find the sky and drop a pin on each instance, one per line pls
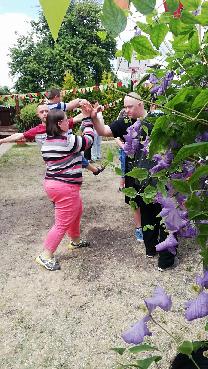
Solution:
(15, 16)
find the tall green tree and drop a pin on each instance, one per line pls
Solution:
(38, 62)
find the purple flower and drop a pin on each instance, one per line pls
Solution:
(174, 218)
(132, 137)
(145, 145)
(203, 281)
(188, 232)
(163, 161)
(197, 308)
(169, 244)
(154, 90)
(196, 12)
(153, 79)
(202, 137)
(137, 332)
(159, 298)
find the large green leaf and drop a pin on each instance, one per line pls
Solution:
(142, 348)
(199, 172)
(54, 14)
(189, 18)
(198, 149)
(149, 194)
(158, 33)
(138, 173)
(179, 97)
(186, 348)
(193, 43)
(144, 27)
(127, 50)
(203, 17)
(113, 18)
(181, 186)
(191, 4)
(172, 5)
(144, 7)
(201, 99)
(130, 192)
(143, 47)
(145, 363)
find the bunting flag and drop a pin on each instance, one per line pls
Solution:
(83, 90)
(54, 14)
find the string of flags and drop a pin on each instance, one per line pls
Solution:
(83, 90)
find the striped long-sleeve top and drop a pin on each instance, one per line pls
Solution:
(62, 155)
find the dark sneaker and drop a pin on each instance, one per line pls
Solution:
(175, 264)
(73, 245)
(99, 170)
(49, 264)
(138, 234)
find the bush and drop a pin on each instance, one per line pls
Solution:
(28, 118)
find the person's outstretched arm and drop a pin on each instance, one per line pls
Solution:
(101, 128)
(13, 138)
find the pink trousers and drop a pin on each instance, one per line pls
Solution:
(68, 212)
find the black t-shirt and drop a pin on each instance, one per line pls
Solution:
(119, 127)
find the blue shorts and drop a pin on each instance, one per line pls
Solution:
(85, 162)
(122, 158)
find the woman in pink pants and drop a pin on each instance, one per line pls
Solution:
(63, 179)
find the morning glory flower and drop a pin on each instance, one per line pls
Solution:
(163, 161)
(159, 298)
(169, 244)
(153, 79)
(132, 142)
(189, 231)
(197, 308)
(137, 332)
(203, 281)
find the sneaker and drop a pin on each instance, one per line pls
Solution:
(175, 264)
(138, 234)
(49, 264)
(99, 170)
(73, 245)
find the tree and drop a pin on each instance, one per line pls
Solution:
(4, 90)
(38, 62)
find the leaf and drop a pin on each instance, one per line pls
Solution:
(172, 5)
(113, 18)
(102, 35)
(149, 194)
(130, 192)
(143, 47)
(118, 171)
(188, 18)
(158, 33)
(186, 348)
(143, 347)
(119, 350)
(144, 27)
(138, 173)
(199, 149)
(199, 172)
(148, 226)
(193, 44)
(181, 186)
(54, 14)
(206, 327)
(203, 17)
(145, 363)
(203, 229)
(201, 99)
(109, 155)
(127, 51)
(133, 205)
(144, 7)
(179, 97)
(191, 4)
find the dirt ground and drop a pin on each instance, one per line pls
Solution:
(70, 319)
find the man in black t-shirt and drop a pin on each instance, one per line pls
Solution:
(135, 109)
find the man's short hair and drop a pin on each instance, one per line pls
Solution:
(53, 93)
(134, 95)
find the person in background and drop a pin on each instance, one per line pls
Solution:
(54, 102)
(37, 133)
(122, 157)
(96, 147)
(63, 179)
(134, 107)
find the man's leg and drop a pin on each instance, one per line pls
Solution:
(148, 217)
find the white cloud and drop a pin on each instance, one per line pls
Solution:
(9, 24)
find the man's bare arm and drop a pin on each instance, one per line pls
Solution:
(13, 138)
